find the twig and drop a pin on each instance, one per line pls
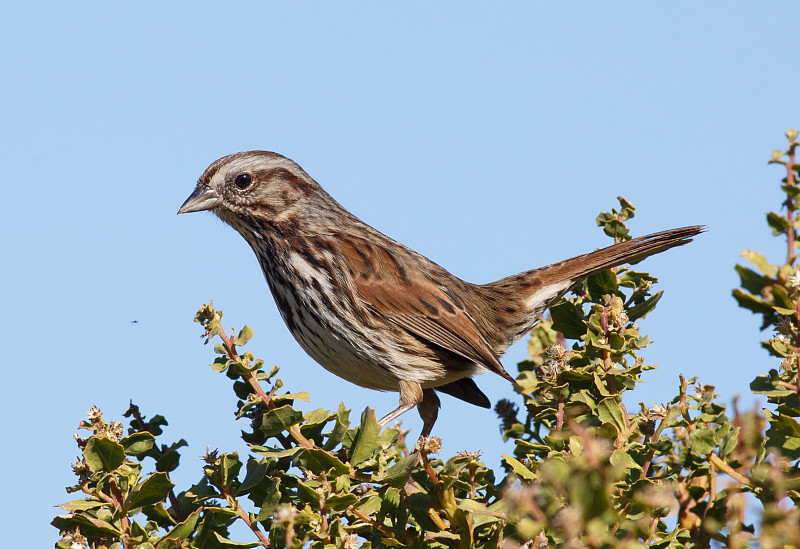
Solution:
(430, 471)
(560, 414)
(99, 495)
(402, 440)
(372, 522)
(472, 470)
(712, 489)
(728, 470)
(796, 388)
(608, 365)
(790, 235)
(648, 460)
(437, 519)
(252, 379)
(789, 385)
(653, 527)
(588, 449)
(685, 405)
(125, 523)
(245, 516)
(534, 508)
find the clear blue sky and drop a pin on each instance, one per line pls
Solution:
(485, 136)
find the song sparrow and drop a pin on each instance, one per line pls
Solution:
(372, 311)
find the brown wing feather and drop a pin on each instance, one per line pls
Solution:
(416, 302)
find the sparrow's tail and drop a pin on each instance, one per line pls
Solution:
(513, 305)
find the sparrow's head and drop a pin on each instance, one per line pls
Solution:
(253, 185)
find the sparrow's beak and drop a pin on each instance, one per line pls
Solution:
(201, 199)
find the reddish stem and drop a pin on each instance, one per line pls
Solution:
(125, 525)
(560, 414)
(648, 460)
(245, 516)
(251, 378)
(372, 522)
(430, 471)
(790, 235)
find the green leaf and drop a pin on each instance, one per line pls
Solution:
(518, 468)
(317, 461)
(277, 420)
(304, 396)
(256, 471)
(609, 411)
(601, 386)
(443, 534)
(370, 505)
(455, 464)
(398, 473)
(523, 447)
(150, 491)
(136, 530)
(90, 526)
(752, 303)
(159, 514)
(138, 443)
(389, 437)
(620, 458)
(271, 498)
(200, 492)
(600, 284)
(339, 430)
(781, 297)
(275, 453)
(225, 542)
(483, 515)
(780, 346)
(168, 462)
(635, 279)
(784, 434)
(82, 505)
(244, 336)
(763, 385)
(184, 529)
(390, 502)
(627, 208)
(367, 438)
(568, 319)
(615, 229)
(701, 441)
(103, 454)
(751, 280)
(231, 464)
(792, 191)
(729, 443)
(220, 364)
(642, 309)
(777, 223)
(308, 493)
(341, 502)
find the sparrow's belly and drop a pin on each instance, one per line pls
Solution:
(375, 357)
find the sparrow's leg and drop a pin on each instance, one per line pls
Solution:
(428, 410)
(411, 394)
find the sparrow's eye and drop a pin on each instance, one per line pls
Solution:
(243, 180)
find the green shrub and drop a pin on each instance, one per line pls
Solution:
(585, 471)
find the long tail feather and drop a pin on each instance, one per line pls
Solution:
(513, 304)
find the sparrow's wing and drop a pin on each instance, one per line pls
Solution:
(400, 288)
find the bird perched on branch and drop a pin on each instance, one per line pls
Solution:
(373, 311)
